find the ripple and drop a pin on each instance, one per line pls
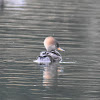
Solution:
(67, 62)
(23, 26)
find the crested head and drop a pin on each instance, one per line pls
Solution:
(50, 43)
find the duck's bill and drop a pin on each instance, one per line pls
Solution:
(60, 49)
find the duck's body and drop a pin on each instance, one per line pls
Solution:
(51, 55)
(46, 56)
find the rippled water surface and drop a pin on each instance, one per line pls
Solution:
(23, 26)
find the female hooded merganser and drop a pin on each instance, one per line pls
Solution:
(51, 55)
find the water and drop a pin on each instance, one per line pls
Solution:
(23, 26)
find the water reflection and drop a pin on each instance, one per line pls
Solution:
(50, 73)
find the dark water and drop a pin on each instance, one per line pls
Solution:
(23, 26)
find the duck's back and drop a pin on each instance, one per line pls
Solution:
(49, 57)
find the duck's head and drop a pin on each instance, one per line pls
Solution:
(51, 43)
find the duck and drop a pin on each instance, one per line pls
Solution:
(51, 54)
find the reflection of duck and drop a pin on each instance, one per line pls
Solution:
(50, 74)
(51, 55)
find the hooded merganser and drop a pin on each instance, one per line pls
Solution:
(51, 55)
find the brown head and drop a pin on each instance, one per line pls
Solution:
(51, 43)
